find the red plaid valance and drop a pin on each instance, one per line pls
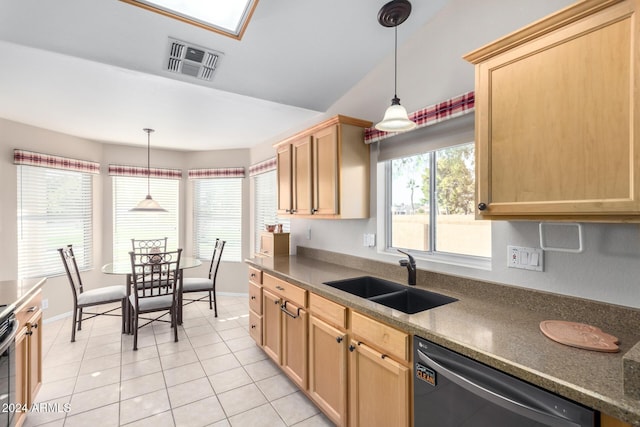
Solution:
(119, 170)
(454, 107)
(23, 157)
(262, 167)
(216, 173)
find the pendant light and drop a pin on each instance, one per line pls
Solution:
(148, 204)
(395, 118)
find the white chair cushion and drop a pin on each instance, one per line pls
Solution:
(100, 295)
(196, 284)
(160, 302)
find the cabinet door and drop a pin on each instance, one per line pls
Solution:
(255, 327)
(271, 325)
(555, 136)
(35, 355)
(378, 389)
(294, 344)
(285, 180)
(328, 369)
(22, 373)
(325, 183)
(303, 178)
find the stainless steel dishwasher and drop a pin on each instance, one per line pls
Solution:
(451, 390)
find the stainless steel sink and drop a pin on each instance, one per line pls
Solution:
(391, 294)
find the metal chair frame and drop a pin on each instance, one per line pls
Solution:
(77, 288)
(213, 275)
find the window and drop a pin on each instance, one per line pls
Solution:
(431, 205)
(54, 210)
(217, 213)
(127, 192)
(229, 17)
(265, 205)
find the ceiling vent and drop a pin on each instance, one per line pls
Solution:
(191, 60)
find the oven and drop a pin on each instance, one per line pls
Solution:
(451, 390)
(8, 331)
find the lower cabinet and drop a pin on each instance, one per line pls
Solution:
(271, 325)
(328, 369)
(294, 343)
(378, 388)
(28, 345)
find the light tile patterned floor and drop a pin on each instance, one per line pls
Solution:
(214, 376)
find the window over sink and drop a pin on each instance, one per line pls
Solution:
(429, 194)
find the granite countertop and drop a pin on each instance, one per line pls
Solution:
(494, 324)
(13, 293)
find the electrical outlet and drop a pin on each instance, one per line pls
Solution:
(45, 304)
(369, 240)
(524, 258)
(309, 233)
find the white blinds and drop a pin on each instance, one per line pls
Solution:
(54, 210)
(127, 192)
(217, 213)
(265, 204)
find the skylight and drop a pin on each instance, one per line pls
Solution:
(228, 17)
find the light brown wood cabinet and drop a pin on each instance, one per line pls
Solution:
(255, 305)
(284, 327)
(558, 119)
(28, 354)
(378, 388)
(608, 421)
(272, 244)
(328, 344)
(324, 171)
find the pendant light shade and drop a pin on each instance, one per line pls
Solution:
(395, 118)
(148, 204)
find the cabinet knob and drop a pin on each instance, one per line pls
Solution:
(28, 333)
(277, 302)
(314, 210)
(482, 206)
(34, 325)
(339, 339)
(253, 274)
(253, 326)
(253, 297)
(352, 347)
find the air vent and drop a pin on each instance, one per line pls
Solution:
(188, 59)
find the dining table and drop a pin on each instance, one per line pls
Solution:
(123, 268)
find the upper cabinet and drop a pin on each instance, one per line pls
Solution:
(324, 171)
(558, 117)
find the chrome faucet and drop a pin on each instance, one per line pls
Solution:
(411, 267)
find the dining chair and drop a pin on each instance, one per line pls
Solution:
(154, 279)
(145, 246)
(92, 297)
(205, 284)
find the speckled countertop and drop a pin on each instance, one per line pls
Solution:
(13, 293)
(494, 324)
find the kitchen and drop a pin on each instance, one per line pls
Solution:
(605, 271)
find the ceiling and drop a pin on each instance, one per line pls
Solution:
(96, 69)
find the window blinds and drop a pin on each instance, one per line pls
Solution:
(54, 210)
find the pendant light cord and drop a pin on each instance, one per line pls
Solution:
(395, 65)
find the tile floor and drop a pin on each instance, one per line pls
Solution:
(214, 376)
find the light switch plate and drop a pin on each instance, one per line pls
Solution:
(525, 258)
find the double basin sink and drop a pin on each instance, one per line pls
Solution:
(406, 299)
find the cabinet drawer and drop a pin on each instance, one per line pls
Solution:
(255, 327)
(328, 311)
(255, 276)
(29, 308)
(255, 298)
(286, 290)
(388, 340)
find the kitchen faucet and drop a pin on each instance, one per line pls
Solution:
(411, 267)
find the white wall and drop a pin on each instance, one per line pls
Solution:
(431, 69)
(232, 276)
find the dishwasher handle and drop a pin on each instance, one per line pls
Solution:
(10, 337)
(521, 408)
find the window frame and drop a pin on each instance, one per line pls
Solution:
(385, 177)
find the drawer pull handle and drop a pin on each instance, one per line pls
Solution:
(280, 288)
(32, 309)
(253, 274)
(283, 308)
(383, 356)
